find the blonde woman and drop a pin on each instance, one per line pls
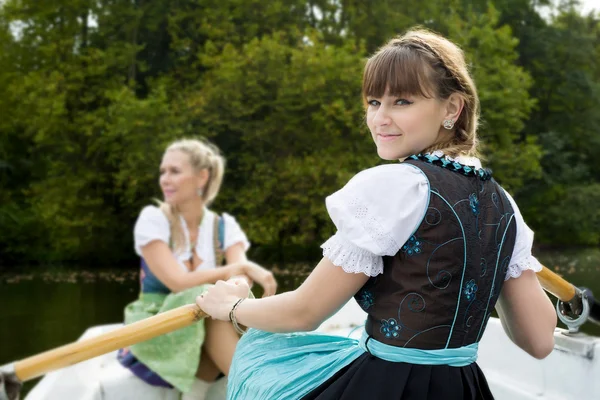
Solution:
(184, 246)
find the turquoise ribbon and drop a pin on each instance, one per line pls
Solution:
(457, 357)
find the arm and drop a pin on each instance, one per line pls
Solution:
(525, 311)
(163, 264)
(395, 190)
(303, 309)
(527, 315)
(235, 254)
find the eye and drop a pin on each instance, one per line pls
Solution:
(373, 103)
(403, 102)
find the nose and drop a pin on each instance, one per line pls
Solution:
(381, 117)
(163, 179)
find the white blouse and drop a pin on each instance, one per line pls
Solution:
(152, 224)
(380, 208)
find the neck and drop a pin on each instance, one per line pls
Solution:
(192, 212)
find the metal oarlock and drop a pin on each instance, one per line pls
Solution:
(575, 312)
(10, 385)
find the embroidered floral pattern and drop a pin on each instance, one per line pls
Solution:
(474, 204)
(412, 246)
(365, 299)
(470, 290)
(390, 328)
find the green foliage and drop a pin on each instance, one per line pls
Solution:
(577, 227)
(91, 92)
(503, 92)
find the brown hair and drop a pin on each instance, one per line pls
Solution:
(424, 63)
(202, 155)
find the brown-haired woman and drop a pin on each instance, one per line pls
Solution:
(428, 247)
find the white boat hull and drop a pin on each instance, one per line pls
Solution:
(570, 372)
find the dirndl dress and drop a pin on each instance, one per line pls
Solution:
(437, 239)
(169, 360)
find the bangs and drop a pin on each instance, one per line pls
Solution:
(398, 69)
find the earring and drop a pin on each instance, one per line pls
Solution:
(448, 124)
(200, 192)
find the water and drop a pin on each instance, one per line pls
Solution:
(41, 311)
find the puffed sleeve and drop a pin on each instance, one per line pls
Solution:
(521, 258)
(234, 233)
(375, 214)
(152, 224)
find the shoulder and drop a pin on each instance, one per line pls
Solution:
(152, 224)
(384, 174)
(233, 232)
(380, 207)
(224, 218)
(151, 211)
(152, 215)
(384, 184)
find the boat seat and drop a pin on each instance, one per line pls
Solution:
(118, 383)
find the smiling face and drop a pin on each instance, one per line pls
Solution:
(179, 181)
(404, 125)
(408, 94)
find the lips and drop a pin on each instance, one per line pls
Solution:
(387, 137)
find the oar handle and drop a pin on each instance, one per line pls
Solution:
(556, 285)
(137, 332)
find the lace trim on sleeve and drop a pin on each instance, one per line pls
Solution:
(515, 270)
(351, 258)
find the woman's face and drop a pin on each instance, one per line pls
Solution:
(404, 125)
(178, 180)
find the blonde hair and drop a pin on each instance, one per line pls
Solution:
(202, 155)
(424, 63)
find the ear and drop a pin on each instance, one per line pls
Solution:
(454, 106)
(202, 178)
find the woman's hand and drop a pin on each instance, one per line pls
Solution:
(243, 277)
(262, 276)
(220, 299)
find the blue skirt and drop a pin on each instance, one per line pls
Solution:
(269, 366)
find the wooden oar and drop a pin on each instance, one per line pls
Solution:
(127, 335)
(556, 285)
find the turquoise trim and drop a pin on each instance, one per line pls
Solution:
(457, 357)
(454, 166)
(462, 278)
(495, 275)
(221, 231)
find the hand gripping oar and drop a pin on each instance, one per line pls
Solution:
(12, 375)
(575, 305)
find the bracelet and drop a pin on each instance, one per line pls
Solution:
(232, 318)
